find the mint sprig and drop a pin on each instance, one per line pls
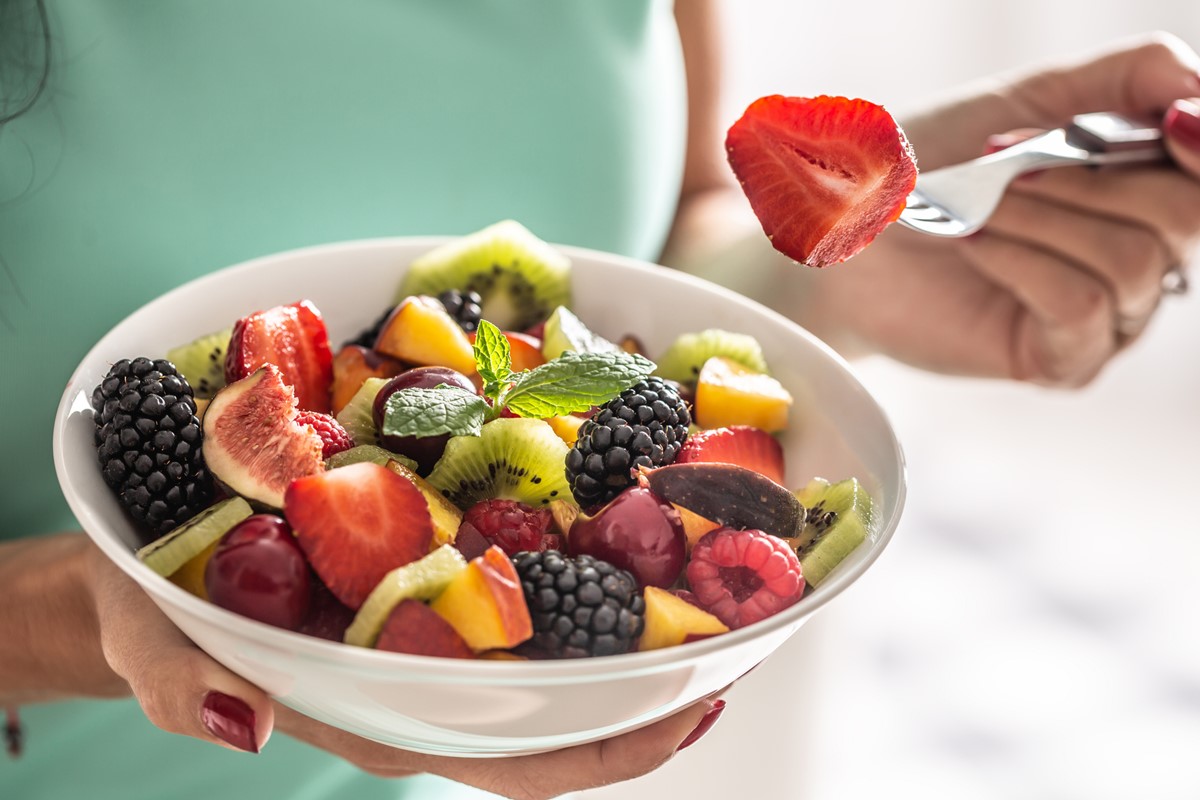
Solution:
(432, 412)
(574, 382)
(569, 384)
(493, 357)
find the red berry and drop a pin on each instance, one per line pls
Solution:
(824, 175)
(356, 524)
(334, 438)
(510, 525)
(425, 450)
(259, 571)
(744, 576)
(294, 339)
(743, 445)
(637, 531)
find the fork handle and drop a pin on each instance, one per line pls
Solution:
(1115, 139)
(1099, 138)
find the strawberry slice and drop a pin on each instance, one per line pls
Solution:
(824, 175)
(292, 338)
(356, 524)
(742, 445)
(417, 629)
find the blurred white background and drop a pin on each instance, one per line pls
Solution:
(1032, 631)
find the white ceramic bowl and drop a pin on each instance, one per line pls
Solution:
(484, 708)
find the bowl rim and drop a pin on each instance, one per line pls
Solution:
(470, 670)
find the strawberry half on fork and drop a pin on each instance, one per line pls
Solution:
(824, 175)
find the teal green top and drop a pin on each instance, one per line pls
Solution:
(179, 137)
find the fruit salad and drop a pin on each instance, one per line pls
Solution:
(477, 475)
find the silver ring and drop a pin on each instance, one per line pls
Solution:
(1129, 327)
(1175, 281)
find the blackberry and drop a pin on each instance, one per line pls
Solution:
(580, 606)
(465, 307)
(148, 441)
(642, 427)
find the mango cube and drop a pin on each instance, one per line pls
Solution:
(670, 620)
(728, 393)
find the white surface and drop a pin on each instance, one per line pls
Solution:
(1031, 632)
(484, 707)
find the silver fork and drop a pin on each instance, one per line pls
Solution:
(957, 200)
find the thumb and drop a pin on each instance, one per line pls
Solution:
(180, 688)
(1139, 77)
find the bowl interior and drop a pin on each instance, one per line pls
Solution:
(837, 429)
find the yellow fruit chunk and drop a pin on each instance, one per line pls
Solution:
(485, 603)
(567, 427)
(191, 575)
(694, 525)
(670, 620)
(728, 393)
(420, 332)
(445, 515)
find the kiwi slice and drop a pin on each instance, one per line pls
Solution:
(512, 458)
(368, 452)
(564, 331)
(202, 362)
(838, 520)
(686, 355)
(520, 278)
(175, 548)
(423, 579)
(357, 416)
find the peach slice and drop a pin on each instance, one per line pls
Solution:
(670, 620)
(694, 525)
(420, 332)
(446, 516)
(728, 393)
(352, 365)
(415, 628)
(486, 604)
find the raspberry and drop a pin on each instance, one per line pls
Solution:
(334, 438)
(510, 525)
(744, 576)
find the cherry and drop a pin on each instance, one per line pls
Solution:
(637, 531)
(259, 571)
(425, 450)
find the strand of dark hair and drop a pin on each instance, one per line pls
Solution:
(42, 74)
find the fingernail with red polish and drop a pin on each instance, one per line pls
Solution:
(706, 723)
(230, 720)
(1182, 123)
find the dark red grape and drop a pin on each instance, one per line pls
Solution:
(259, 571)
(637, 531)
(425, 450)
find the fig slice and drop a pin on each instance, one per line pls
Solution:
(252, 443)
(729, 495)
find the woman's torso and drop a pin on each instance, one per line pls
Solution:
(177, 138)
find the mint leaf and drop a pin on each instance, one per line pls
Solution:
(431, 412)
(493, 357)
(574, 382)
